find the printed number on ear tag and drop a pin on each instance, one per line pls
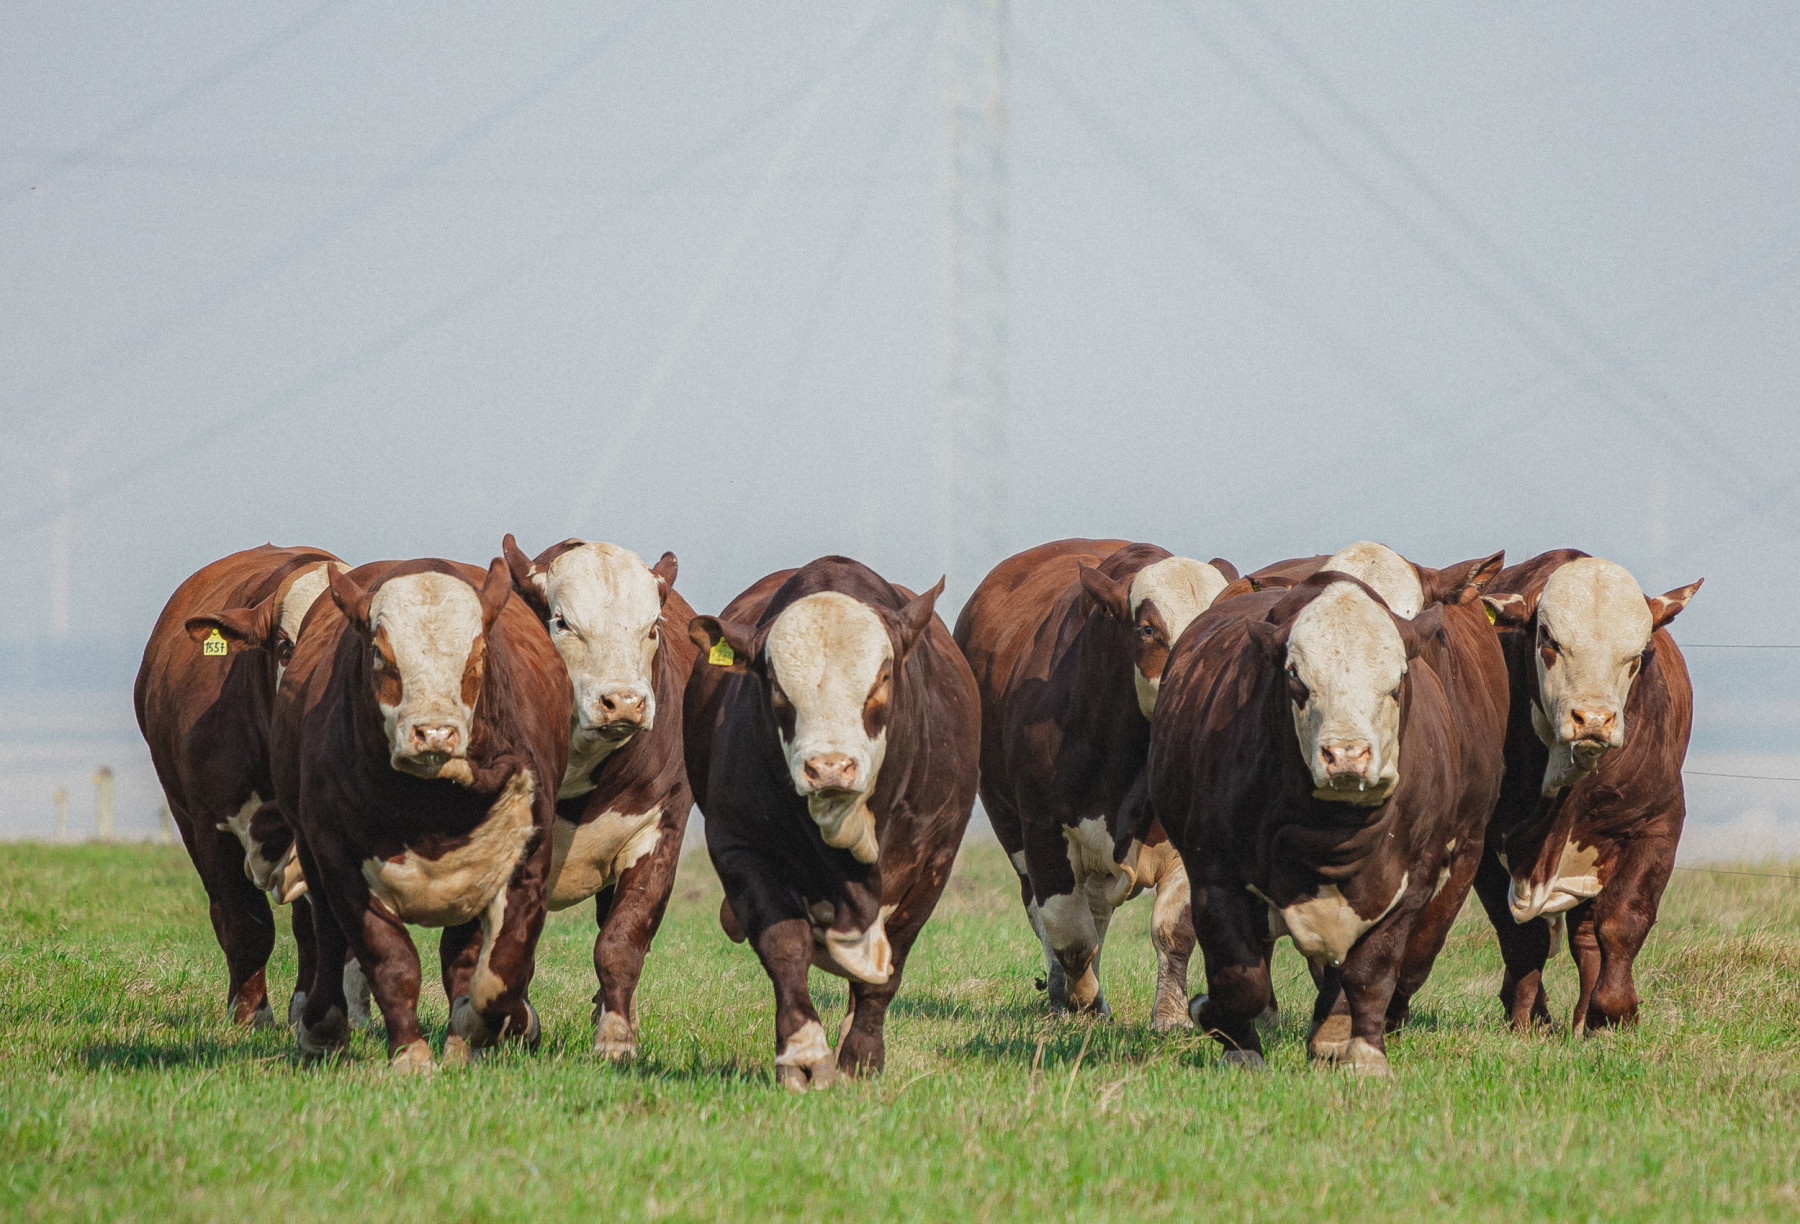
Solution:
(721, 654)
(214, 644)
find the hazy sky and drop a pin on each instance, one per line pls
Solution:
(394, 279)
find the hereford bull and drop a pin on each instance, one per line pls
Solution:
(622, 806)
(1592, 807)
(1067, 642)
(833, 736)
(415, 744)
(203, 706)
(1303, 759)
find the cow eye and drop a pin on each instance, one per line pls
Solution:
(1147, 632)
(1395, 694)
(556, 623)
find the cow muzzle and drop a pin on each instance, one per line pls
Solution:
(1348, 770)
(618, 715)
(423, 747)
(1591, 730)
(829, 772)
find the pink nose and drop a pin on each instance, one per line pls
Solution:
(1347, 759)
(622, 707)
(435, 737)
(1590, 724)
(831, 771)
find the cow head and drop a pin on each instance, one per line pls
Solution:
(1343, 657)
(1386, 572)
(831, 667)
(1158, 603)
(1592, 628)
(425, 643)
(602, 605)
(272, 625)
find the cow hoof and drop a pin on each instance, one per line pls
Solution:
(614, 1040)
(413, 1058)
(1194, 1006)
(859, 1054)
(1271, 1016)
(457, 1052)
(817, 1077)
(262, 1017)
(1330, 1040)
(356, 994)
(1243, 1060)
(296, 1004)
(1171, 1019)
(326, 1039)
(1365, 1059)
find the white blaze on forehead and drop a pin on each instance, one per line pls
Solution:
(826, 651)
(1344, 648)
(1181, 589)
(609, 601)
(431, 623)
(1388, 574)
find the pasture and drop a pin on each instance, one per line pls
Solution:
(124, 1094)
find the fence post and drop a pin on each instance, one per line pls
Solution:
(103, 803)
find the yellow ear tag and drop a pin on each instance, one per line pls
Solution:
(214, 644)
(1493, 617)
(721, 654)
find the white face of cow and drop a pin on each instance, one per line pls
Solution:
(1180, 589)
(1345, 659)
(428, 657)
(830, 667)
(301, 595)
(1388, 574)
(604, 603)
(1593, 624)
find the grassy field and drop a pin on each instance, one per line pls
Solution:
(124, 1093)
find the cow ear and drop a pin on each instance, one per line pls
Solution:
(915, 617)
(1509, 611)
(525, 577)
(1448, 584)
(350, 598)
(1236, 587)
(247, 628)
(1665, 608)
(495, 591)
(665, 569)
(1272, 638)
(1272, 582)
(1113, 596)
(1226, 568)
(723, 643)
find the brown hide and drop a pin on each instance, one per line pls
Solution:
(330, 760)
(206, 721)
(1229, 785)
(769, 853)
(1062, 735)
(1629, 811)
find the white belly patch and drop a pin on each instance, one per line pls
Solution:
(587, 858)
(863, 956)
(1326, 926)
(462, 883)
(1575, 879)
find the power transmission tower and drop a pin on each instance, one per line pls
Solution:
(973, 422)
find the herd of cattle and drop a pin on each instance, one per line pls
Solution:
(1334, 749)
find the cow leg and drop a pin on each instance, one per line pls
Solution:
(1584, 946)
(1328, 1039)
(306, 954)
(1054, 981)
(1227, 919)
(321, 1025)
(1367, 979)
(1524, 948)
(1621, 919)
(241, 919)
(1172, 935)
(1067, 920)
(495, 1005)
(803, 1058)
(1433, 929)
(628, 917)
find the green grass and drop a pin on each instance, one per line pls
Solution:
(125, 1094)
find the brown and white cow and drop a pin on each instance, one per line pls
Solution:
(1303, 759)
(416, 742)
(1591, 811)
(1067, 642)
(833, 736)
(622, 807)
(203, 706)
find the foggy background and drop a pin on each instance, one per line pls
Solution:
(396, 280)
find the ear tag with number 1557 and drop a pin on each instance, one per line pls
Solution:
(214, 644)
